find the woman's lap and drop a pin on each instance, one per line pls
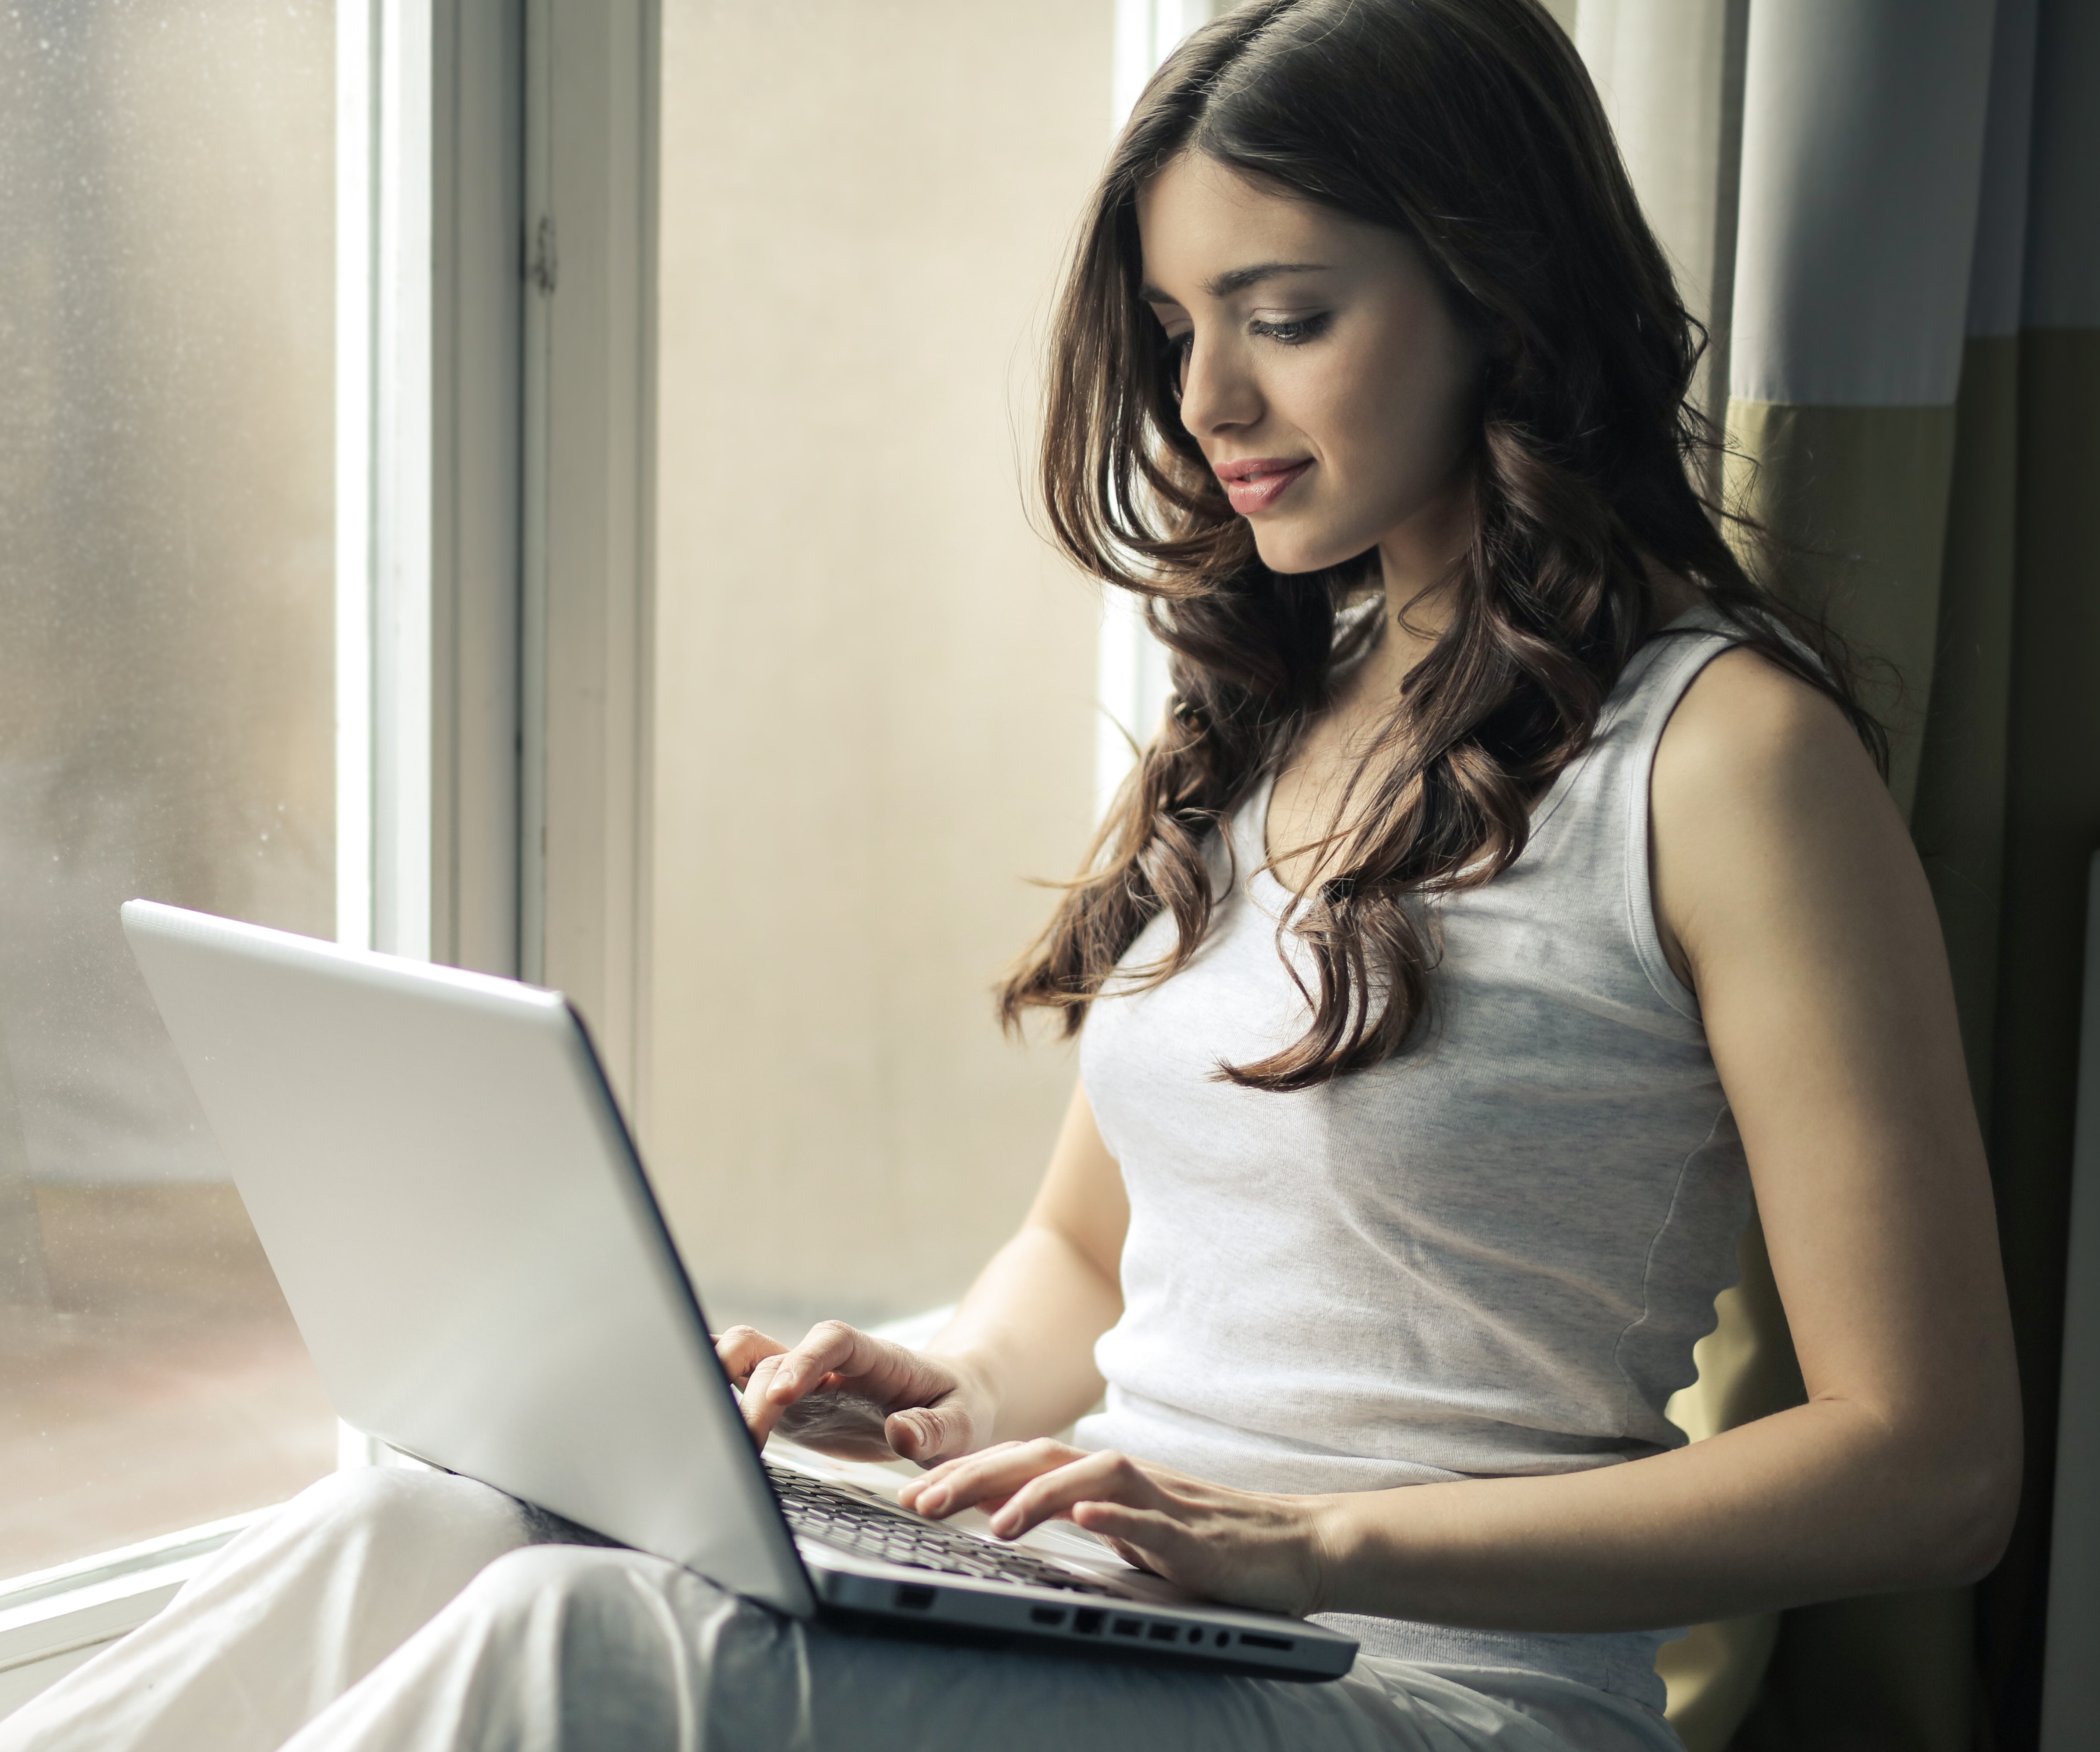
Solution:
(618, 1649)
(496, 1642)
(293, 1613)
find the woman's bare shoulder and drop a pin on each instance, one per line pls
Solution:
(1770, 825)
(1746, 727)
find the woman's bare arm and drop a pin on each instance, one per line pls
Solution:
(1791, 895)
(1016, 1360)
(1029, 1323)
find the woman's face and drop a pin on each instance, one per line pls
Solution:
(1322, 371)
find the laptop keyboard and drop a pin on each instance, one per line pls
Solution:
(855, 1523)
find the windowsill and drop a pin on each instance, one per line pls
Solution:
(53, 1620)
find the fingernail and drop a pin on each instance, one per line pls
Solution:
(933, 1501)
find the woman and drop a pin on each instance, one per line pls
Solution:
(1509, 892)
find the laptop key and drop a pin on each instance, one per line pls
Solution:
(866, 1525)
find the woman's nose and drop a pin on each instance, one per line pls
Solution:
(1217, 394)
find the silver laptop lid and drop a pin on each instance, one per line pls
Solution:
(444, 1186)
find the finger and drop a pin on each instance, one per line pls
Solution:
(765, 1399)
(949, 1469)
(831, 1347)
(996, 1473)
(739, 1348)
(1128, 1553)
(1150, 1538)
(1105, 1477)
(760, 1411)
(970, 1479)
(929, 1433)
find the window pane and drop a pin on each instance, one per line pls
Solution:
(875, 686)
(166, 726)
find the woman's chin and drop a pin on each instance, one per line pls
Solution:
(1298, 550)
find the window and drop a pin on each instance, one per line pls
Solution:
(750, 743)
(166, 726)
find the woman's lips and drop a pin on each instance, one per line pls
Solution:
(1256, 484)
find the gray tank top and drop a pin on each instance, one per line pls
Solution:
(1487, 1257)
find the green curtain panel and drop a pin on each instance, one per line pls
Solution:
(2052, 828)
(1888, 213)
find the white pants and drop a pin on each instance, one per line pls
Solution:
(396, 1611)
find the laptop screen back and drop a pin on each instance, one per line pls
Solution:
(452, 1206)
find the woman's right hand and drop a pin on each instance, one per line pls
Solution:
(843, 1393)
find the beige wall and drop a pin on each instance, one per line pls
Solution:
(875, 685)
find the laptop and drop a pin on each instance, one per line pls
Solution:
(457, 1216)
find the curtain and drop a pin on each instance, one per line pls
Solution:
(2052, 788)
(1888, 213)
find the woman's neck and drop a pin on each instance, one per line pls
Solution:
(1417, 565)
(1418, 588)
(1417, 561)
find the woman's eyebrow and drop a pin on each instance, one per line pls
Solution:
(1238, 279)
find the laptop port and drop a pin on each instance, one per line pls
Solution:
(1125, 1627)
(1087, 1621)
(915, 1599)
(1048, 1615)
(1165, 1633)
(1281, 1644)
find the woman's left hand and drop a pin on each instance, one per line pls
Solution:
(1240, 1547)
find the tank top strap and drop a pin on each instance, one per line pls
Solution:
(1586, 864)
(1680, 651)
(1608, 780)
(1663, 668)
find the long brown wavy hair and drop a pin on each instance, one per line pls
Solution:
(1470, 127)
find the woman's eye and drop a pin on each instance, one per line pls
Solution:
(1295, 332)
(1178, 346)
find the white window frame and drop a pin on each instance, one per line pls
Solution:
(495, 378)
(1130, 665)
(496, 324)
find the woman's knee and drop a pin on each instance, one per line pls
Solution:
(593, 1613)
(536, 1577)
(377, 1521)
(399, 1503)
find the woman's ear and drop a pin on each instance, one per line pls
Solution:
(1496, 337)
